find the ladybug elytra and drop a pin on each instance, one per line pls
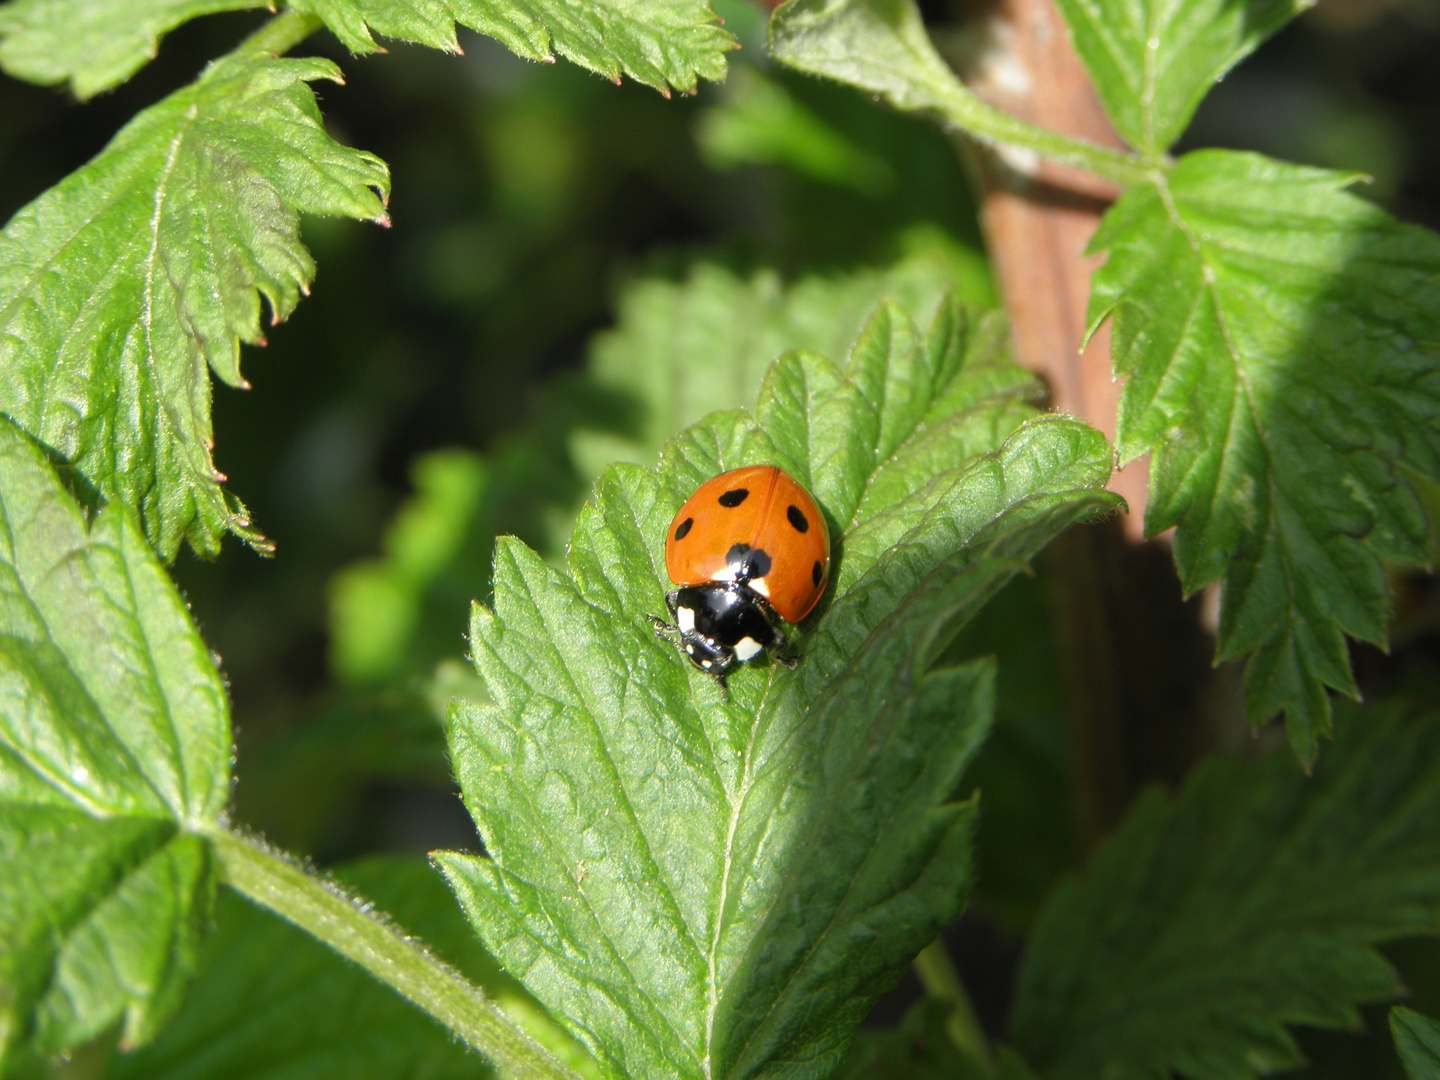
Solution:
(750, 551)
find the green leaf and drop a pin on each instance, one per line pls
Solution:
(1251, 901)
(97, 44)
(272, 1001)
(114, 749)
(760, 122)
(1417, 1038)
(1281, 340)
(1153, 60)
(882, 48)
(94, 44)
(683, 349)
(919, 1049)
(721, 887)
(661, 43)
(878, 45)
(121, 285)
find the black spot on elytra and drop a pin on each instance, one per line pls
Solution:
(684, 528)
(755, 563)
(797, 519)
(817, 573)
(732, 499)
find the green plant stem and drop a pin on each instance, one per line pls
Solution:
(937, 974)
(966, 111)
(273, 881)
(281, 34)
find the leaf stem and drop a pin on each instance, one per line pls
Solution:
(966, 111)
(281, 34)
(941, 981)
(273, 881)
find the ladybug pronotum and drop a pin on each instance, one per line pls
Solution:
(750, 551)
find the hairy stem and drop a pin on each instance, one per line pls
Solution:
(281, 34)
(937, 974)
(273, 881)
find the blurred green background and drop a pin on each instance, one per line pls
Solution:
(575, 270)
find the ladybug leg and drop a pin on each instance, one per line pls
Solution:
(663, 630)
(791, 662)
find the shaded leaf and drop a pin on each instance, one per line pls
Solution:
(120, 286)
(114, 745)
(272, 1001)
(1251, 901)
(1153, 60)
(1281, 340)
(710, 886)
(1417, 1038)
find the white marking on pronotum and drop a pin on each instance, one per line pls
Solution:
(747, 647)
(686, 618)
(726, 572)
(759, 586)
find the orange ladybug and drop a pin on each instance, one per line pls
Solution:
(749, 549)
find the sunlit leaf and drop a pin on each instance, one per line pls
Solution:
(94, 44)
(662, 43)
(1281, 339)
(123, 286)
(1153, 60)
(706, 886)
(114, 750)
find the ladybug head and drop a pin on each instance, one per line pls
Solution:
(709, 656)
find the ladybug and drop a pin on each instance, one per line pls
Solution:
(750, 551)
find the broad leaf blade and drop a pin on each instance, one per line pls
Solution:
(97, 44)
(1252, 901)
(92, 44)
(1417, 1038)
(662, 43)
(121, 286)
(700, 884)
(270, 1000)
(1153, 60)
(880, 46)
(729, 328)
(1282, 347)
(114, 738)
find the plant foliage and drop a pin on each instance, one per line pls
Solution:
(708, 886)
(1282, 342)
(1153, 61)
(114, 752)
(1417, 1038)
(124, 285)
(1251, 901)
(1278, 335)
(270, 1000)
(96, 44)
